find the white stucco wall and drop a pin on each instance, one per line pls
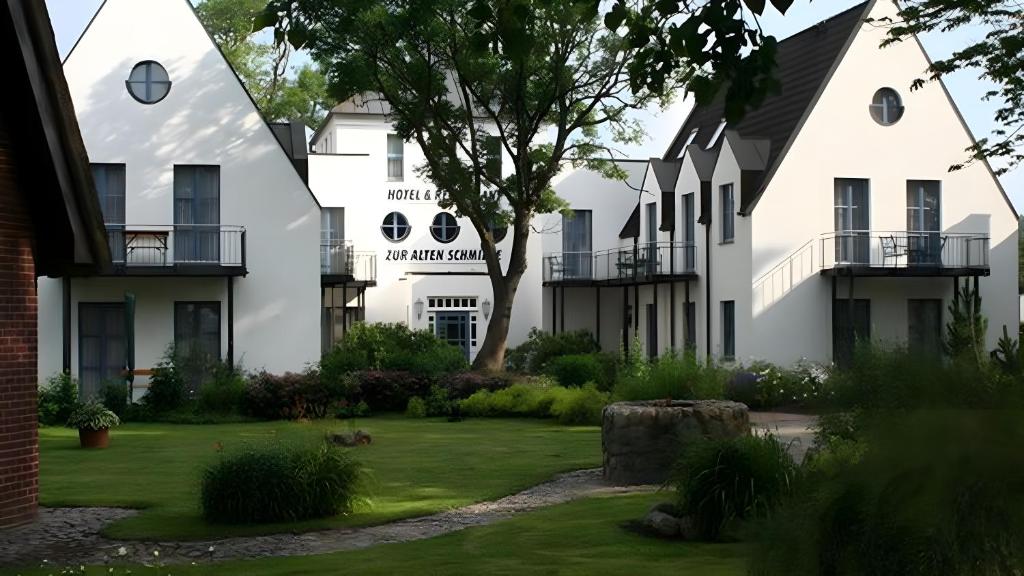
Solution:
(355, 178)
(206, 119)
(841, 140)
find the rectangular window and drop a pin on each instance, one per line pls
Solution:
(197, 214)
(728, 329)
(846, 334)
(335, 256)
(851, 221)
(728, 213)
(924, 238)
(689, 225)
(101, 343)
(650, 255)
(396, 157)
(197, 337)
(492, 157)
(110, 188)
(924, 327)
(577, 247)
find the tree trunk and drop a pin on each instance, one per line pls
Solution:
(491, 356)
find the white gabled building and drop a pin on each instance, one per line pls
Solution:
(210, 226)
(763, 239)
(389, 253)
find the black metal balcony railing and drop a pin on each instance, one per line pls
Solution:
(159, 246)
(641, 262)
(874, 249)
(339, 258)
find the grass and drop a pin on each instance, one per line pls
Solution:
(580, 538)
(414, 467)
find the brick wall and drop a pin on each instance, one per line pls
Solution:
(19, 438)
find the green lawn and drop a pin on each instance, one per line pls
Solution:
(580, 538)
(414, 467)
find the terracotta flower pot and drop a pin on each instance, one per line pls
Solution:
(94, 438)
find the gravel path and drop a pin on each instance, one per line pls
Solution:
(70, 536)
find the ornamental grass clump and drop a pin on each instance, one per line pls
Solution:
(279, 483)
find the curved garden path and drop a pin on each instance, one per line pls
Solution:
(71, 536)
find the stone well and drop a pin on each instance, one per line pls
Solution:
(642, 440)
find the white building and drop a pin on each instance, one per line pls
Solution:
(210, 226)
(382, 228)
(763, 239)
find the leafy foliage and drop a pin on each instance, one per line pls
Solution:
(763, 385)
(719, 481)
(278, 483)
(965, 331)
(92, 416)
(581, 405)
(392, 347)
(464, 384)
(1006, 356)
(57, 399)
(114, 397)
(280, 93)
(996, 54)
(540, 347)
(416, 408)
(224, 392)
(289, 396)
(672, 376)
(167, 387)
(575, 370)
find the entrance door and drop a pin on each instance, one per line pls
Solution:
(851, 212)
(924, 327)
(842, 345)
(453, 327)
(101, 342)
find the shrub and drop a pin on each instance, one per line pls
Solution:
(392, 347)
(569, 405)
(675, 377)
(224, 392)
(464, 384)
(57, 399)
(438, 402)
(763, 385)
(540, 347)
(279, 484)
(718, 481)
(934, 492)
(289, 396)
(92, 416)
(416, 408)
(578, 369)
(167, 390)
(387, 390)
(582, 405)
(115, 397)
(347, 410)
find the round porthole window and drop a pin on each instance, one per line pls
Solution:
(148, 82)
(499, 232)
(445, 228)
(395, 227)
(886, 107)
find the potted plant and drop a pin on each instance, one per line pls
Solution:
(94, 422)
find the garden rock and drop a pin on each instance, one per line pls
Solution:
(661, 524)
(359, 438)
(664, 507)
(688, 528)
(641, 440)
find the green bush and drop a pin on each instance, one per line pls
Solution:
(57, 399)
(288, 396)
(578, 369)
(391, 347)
(673, 377)
(532, 356)
(279, 483)
(224, 391)
(719, 481)
(416, 408)
(438, 402)
(763, 385)
(928, 492)
(115, 397)
(539, 400)
(167, 389)
(92, 416)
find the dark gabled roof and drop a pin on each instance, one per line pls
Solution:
(805, 62)
(292, 137)
(666, 172)
(51, 166)
(631, 229)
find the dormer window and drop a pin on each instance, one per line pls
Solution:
(689, 140)
(717, 135)
(886, 107)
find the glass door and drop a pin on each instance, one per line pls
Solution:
(453, 327)
(197, 214)
(577, 247)
(924, 238)
(101, 346)
(851, 221)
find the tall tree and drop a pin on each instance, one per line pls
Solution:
(467, 81)
(998, 55)
(264, 66)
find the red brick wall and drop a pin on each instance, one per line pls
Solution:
(19, 437)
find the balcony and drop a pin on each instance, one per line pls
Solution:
(176, 250)
(874, 253)
(340, 263)
(639, 264)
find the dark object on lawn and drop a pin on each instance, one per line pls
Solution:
(663, 520)
(359, 438)
(641, 440)
(94, 438)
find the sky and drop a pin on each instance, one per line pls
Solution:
(69, 18)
